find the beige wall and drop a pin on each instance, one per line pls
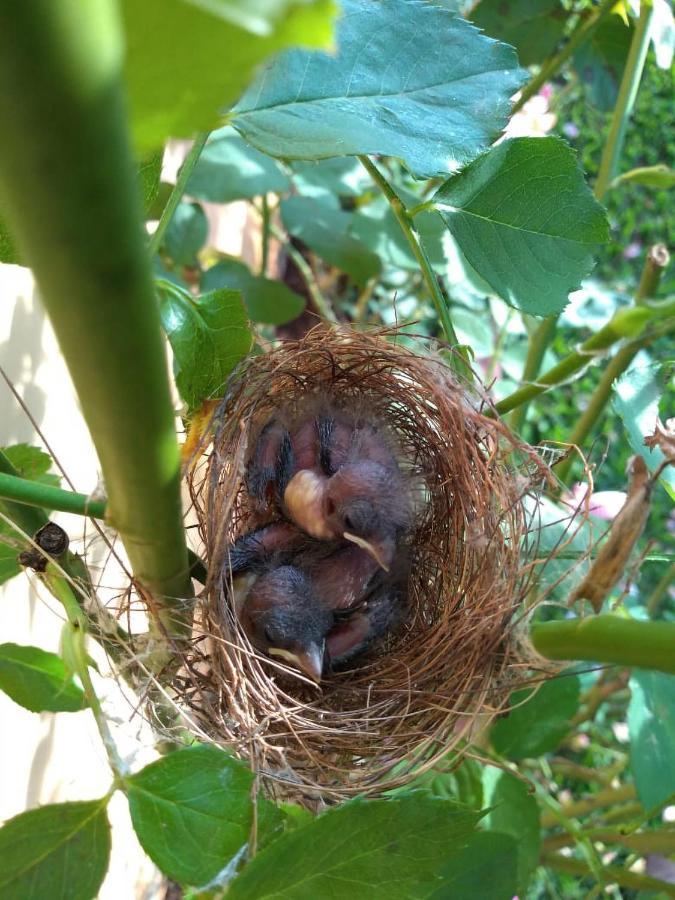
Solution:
(46, 758)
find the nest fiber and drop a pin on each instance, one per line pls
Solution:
(417, 694)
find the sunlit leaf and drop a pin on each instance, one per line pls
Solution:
(185, 64)
(38, 680)
(58, 852)
(525, 219)
(408, 80)
(192, 811)
(209, 335)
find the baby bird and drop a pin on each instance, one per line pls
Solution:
(311, 602)
(335, 477)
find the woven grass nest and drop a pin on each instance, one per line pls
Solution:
(415, 695)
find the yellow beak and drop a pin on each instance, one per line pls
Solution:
(368, 547)
(309, 661)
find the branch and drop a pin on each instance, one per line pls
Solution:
(625, 323)
(608, 639)
(405, 221)
(613, 874)
(177, 193)
(536, 349)
(579, 808)
(579, 36)
(630, 82)
(655, 264)
(34, 493)
(69, 189)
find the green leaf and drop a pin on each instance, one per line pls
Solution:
(8, 251)
(58, 852)
(192, 811)
(9, 567)
(651, 726)
(434, 99)
(185, 65)
(533, 27)
(208, 336)
(485, 868)
(552, 527)
(230, 169)
(267, 301)
(150, 170)
(375, 225)
(380, 849)
(525, 219)
(513, 811)
(600, 61)
(638, 394)
(38, 680)
(32, 463)
(462, 784)
(341, 176)
(537, 725)
(660, 177)
(324, 229)
(186, 234)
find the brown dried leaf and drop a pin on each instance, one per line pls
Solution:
(663, 437)
(612, 559)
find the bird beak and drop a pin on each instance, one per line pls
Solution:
(368, 547)
(309, 661)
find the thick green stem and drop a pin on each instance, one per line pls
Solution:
(630, 82)
(177, 193)
(579, 36)
(608, 639)
(33, 493)
(68, 185)
(625, 323)
(407, 227)
(657, 260)
(536, 349)
(612, 874)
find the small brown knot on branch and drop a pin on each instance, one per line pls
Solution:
(52, 540)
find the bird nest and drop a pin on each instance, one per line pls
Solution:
(415, 695)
